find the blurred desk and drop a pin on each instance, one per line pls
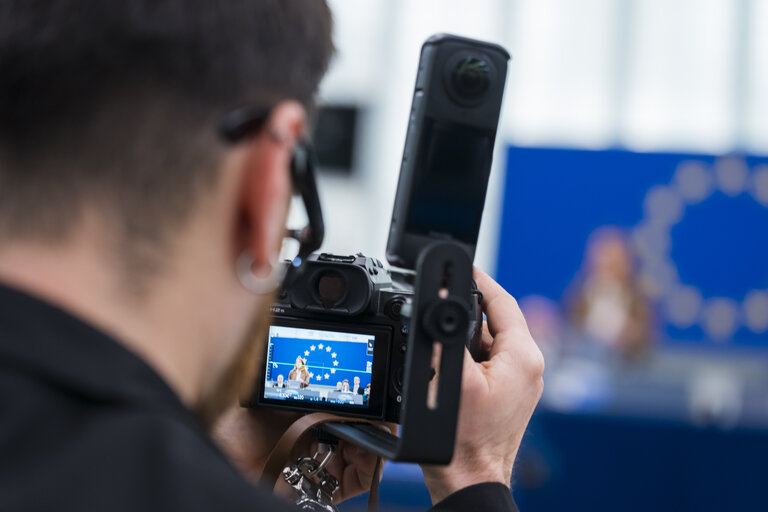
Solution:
(592, 462)
(595, 463)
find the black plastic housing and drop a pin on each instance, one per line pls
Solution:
(449, 147)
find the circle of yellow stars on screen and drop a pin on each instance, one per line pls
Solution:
(327, 348)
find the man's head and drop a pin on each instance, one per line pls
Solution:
(110, 159)
(115, 106)
(356, 380)
(338, 386)
(345, 385)
(280, 380)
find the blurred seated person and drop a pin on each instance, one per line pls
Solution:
(605, 302)
(300, 373)
(280, 382)
(338, 386)
(366, 393)
(545, 321)
(345, 386)
(356, 388)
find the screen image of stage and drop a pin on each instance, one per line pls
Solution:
(313, 365)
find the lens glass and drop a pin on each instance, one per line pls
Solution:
(471, 77)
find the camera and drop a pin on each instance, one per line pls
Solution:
(449, 147)
(339, 338)
(347, 335)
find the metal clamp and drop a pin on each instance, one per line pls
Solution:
(313, 484)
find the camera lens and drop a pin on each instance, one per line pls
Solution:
(331, 287)
(471, 77)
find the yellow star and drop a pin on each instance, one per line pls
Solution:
(335, 363)
(319, 377)
(320, 346)
(333, 355)
(333, 370)
(306, 352)
(327, 376)
(327, 349)
(312, 348)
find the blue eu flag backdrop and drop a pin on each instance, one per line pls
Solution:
(697, 226)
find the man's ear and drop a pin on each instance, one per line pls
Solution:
(266, 184)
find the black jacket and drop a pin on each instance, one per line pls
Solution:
(86, 425)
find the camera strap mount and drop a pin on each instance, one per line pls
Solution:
(314, 485)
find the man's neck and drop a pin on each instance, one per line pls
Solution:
(73, 276)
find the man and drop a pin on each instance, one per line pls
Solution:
(345, 386)
(356, 386)
(280, 382)
(126, 326)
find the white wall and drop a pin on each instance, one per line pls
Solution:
(648, 75)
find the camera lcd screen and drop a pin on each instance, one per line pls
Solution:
(328, 369)
(450, 181)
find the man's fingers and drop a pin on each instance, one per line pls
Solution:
(500, 307)
(355, 470)
(512, 342)
(486, 343)
(472, 379)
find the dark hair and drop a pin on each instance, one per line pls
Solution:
(116, 103)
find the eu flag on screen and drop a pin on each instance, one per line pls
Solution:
(328, 362)
(699, 224)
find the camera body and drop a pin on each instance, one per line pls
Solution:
(345, 317)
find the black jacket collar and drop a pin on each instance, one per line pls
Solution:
(38, 337)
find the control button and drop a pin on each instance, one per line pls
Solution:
(393, 307)
(403, 348)
(397, 381)
(404, 330)
(399, 398)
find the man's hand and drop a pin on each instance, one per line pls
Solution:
(247, 436)
(498, 397)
